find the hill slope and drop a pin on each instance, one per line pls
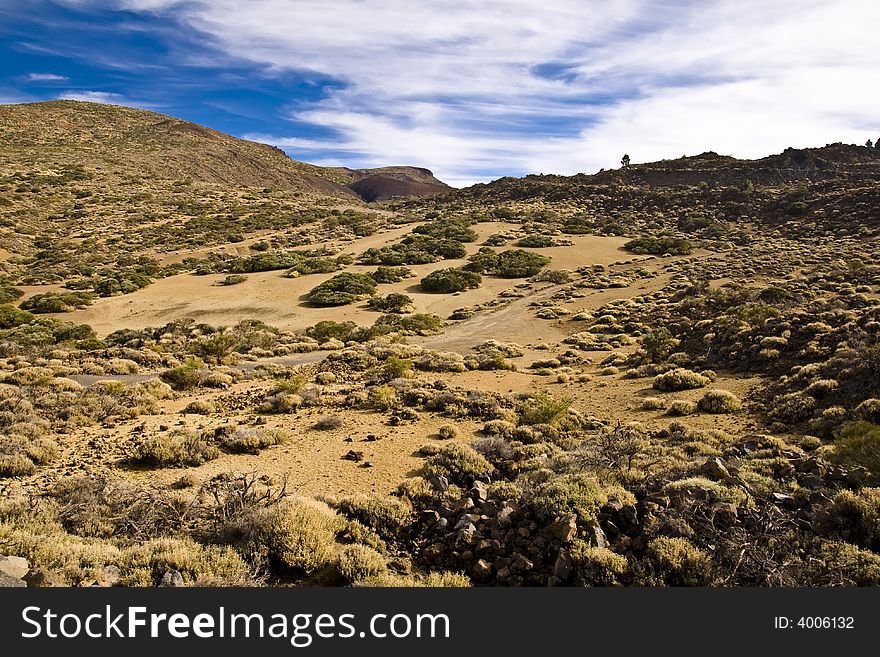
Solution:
(138, 142)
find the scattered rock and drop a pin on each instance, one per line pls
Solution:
(482, 570)
(438, 482)
(352, 455)
(171, 578)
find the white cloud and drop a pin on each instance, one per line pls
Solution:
(46, 77)
(103, 97)
(452, 86)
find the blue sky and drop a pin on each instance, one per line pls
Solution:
(473, 89)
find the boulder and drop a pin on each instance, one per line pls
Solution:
(9, 582)
(563, 567)
(16, 567)
(482, 571)
(563, 530)
(172, 578)
(715, 469)
(479, 492)
(596, 536)
(725, 514)
(438, 482)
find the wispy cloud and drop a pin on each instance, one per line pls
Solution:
(46, 77)
(103, 97)
(477, 88)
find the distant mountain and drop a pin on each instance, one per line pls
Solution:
(131, 141)
(834, 162)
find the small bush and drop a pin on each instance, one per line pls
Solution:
(680, 379)
(856, 516)
(174, 450)
(327, 423)
(16, 465)
(234, 279)
(384, 274)
(681, 407)
(359, 562)
(678, 562)
(859, 444)
(450, 280)
(653, 404)
(459, 463)
(186, 376)
(447, 432)
(385, 515)
(146, 564)
(596, 566)
(296, 534)
(393, 303)
(580, 494)
(659, 246)
(252, 441)
(342, 289)
(719, 401)
(543, 409)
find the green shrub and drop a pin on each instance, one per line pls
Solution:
(385, 515)
(580, 494)
(342, 289)
(395, 367)
(543, 409)
(296, 534)
(513, 263)
(252, 441)
(455, 229)
(859, 444)
(329, 330)
(678, 562)
(385, 274)
(10, 317)
(857, 516)
(393, 303)
(57, 302)
(680, 379)
(174, 450)
(8, 294)
(536, 242)
(719, 401)
(450, 280)
(595, 566)
(359, 562)
(186, 376)
(234, 279)
(681, 407)
(840, 563)
(147, 563)
(459, 463)
(415, 324)
(16, 465)
(659, 246)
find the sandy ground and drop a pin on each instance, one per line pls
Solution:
(280, 301)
